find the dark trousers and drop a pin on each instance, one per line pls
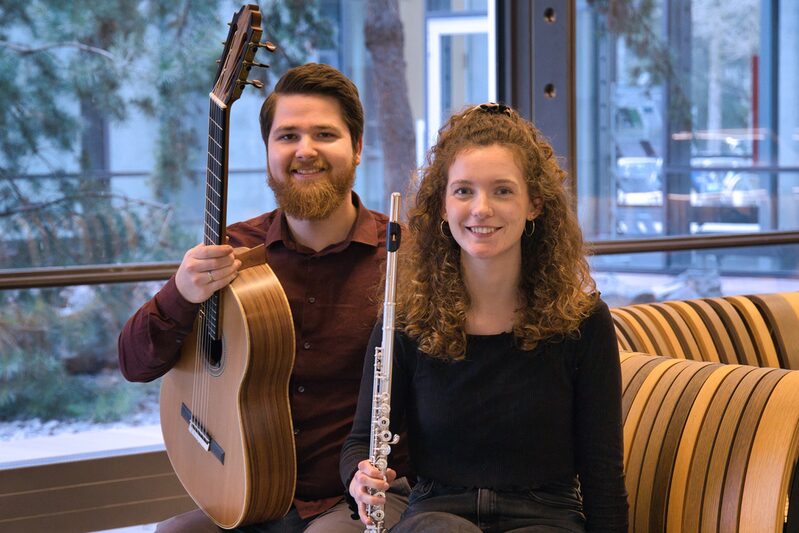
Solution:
(434, 508)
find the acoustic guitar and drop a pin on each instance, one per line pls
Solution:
(225, 411)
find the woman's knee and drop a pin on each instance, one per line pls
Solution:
(434, 522)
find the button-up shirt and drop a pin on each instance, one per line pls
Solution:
(334, 295)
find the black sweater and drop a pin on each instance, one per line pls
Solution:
(504, 418)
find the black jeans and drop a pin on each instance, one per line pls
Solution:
(433, 507)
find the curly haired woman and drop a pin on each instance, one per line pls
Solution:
(506, 371)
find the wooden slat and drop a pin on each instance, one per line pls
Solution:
(640, 401)
(783, 326)
(737, 331)
(687, 448)
(91, 494)
(741, 447)
(651, 330)
(622, 340)
(681, 330)
(772, 461)
(717, 331)
(722, 447)
(634, 462)
(707, 349)
(673, 347)
(639, 340)
(661, 413)
(700, 463)
(758, 331)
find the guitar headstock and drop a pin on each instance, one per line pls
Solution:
(237, 59)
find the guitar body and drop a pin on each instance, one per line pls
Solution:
(249, 473)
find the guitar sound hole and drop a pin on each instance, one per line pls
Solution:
(214, 356)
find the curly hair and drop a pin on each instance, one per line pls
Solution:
(556, 290)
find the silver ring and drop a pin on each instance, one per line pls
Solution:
(210, 276)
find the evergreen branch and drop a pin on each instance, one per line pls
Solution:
(26, 50)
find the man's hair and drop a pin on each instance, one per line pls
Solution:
(322, 80)
(556, 291)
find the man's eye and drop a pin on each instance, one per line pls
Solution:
(286, 137)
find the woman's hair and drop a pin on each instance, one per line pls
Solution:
(556, 291)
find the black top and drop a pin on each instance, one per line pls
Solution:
(505, 418)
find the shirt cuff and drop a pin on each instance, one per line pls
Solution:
(173, 306)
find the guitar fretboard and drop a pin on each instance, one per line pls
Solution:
(215, 198)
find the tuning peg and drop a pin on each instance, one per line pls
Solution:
(258, 84)
(269, 45)
(255, 64)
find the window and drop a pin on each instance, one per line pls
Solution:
(687, 125)
(102, 169)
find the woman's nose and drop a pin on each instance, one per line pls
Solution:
(481, 206)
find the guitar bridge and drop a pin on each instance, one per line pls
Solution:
(202, 437)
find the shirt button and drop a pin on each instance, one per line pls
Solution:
(300, 389)
(311, 300)
(307, 345)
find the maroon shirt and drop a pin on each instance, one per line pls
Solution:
(334, 296)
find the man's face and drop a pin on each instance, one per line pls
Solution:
(311, 160)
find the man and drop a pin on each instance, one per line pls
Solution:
(327, 250)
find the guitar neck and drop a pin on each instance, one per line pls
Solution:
(216, 198)
(216, 173)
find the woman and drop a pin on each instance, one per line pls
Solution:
(506, 371)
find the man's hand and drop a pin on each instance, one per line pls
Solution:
(369, 477)
(204, 270)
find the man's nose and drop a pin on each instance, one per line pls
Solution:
(306, 148)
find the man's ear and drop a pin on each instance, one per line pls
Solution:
(358, 150)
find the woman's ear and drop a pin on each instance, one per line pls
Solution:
(535, 208)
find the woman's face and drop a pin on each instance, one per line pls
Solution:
(487, 204)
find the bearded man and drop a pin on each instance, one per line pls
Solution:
(327, 250)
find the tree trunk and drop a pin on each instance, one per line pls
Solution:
(385, 40)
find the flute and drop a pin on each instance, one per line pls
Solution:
(381, 437)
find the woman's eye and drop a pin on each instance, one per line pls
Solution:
(503, 191)
(460, 191)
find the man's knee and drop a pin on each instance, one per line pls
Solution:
(193, 521)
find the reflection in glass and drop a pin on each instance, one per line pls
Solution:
(647, 277)
(687, 118)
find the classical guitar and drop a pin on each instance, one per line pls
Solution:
(225, 411)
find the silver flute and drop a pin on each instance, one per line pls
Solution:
(381, 437)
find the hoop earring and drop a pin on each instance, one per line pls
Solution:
(529, 225)
(441, 229)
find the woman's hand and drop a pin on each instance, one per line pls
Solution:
(369, 477)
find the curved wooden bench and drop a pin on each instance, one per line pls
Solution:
(709, 447)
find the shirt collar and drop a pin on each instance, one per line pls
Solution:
(364, 230)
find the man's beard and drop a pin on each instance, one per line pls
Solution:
(314, 200)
